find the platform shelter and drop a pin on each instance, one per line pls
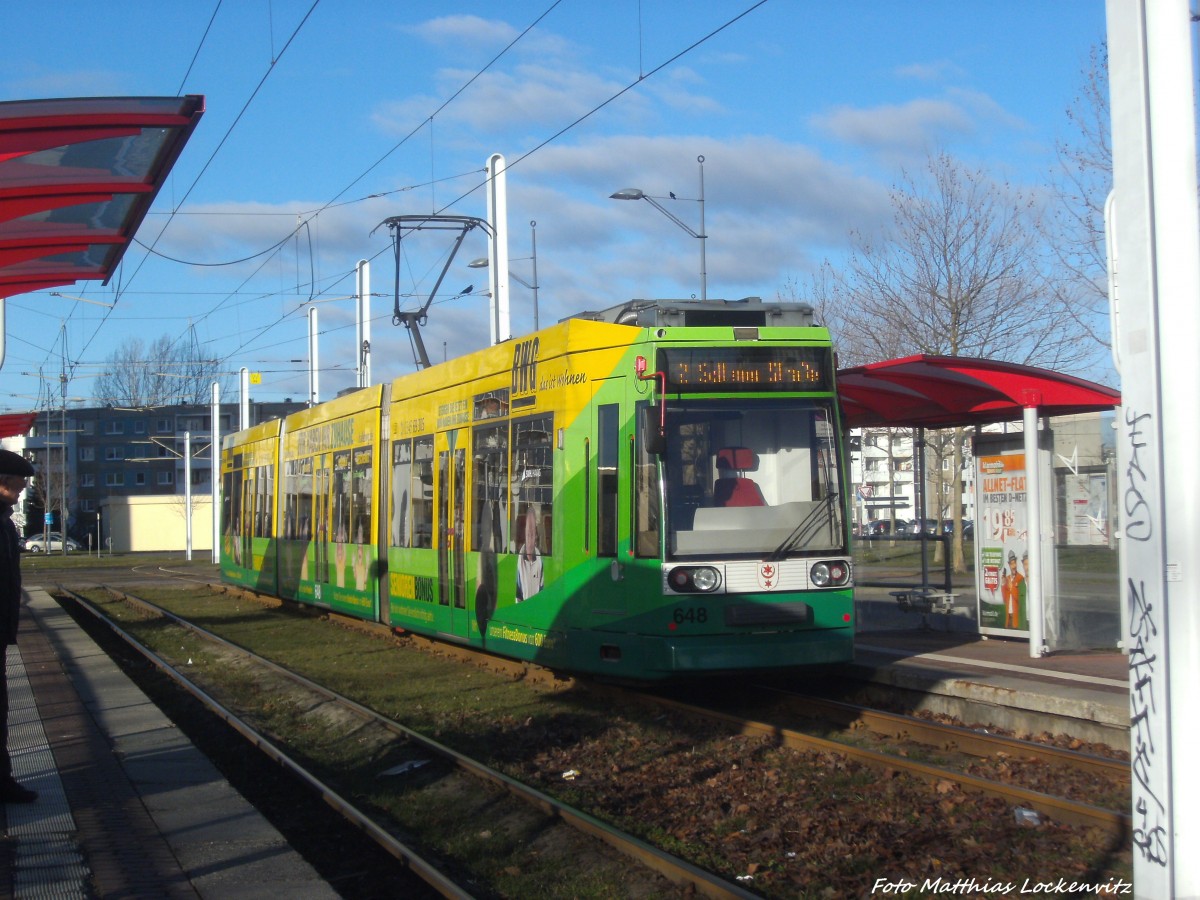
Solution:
(1026, 505)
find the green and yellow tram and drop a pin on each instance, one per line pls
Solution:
(643, 492)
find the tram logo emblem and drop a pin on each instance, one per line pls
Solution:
(524, 367)
(768, 576)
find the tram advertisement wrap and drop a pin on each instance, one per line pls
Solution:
(1003, 571)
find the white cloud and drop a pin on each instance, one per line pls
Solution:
(937, 71)
(912, 125)
(465, 32)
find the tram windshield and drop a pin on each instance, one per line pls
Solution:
(755, 477)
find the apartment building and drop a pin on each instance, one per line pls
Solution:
(86, 457)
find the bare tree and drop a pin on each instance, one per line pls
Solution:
(1081, 183)
(161, 373)
(963, 270)
(48, 490)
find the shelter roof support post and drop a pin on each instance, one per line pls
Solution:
(922, 504)
(1033, 506)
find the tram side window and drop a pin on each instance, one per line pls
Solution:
(304, 499)
(231, 505)
(401, 522)
(646, 499)
(342, 486)
(608, 448)
(290, 513)
(264, 484)
(533, 486)
(421, 493)
(489, 493)
(362, 481)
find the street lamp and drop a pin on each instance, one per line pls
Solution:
(81, 299)
(482, 263)
(639, 194)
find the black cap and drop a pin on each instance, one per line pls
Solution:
(14, 464)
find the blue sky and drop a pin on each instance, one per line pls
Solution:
(340, 114)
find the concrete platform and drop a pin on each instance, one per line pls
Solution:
(942, 658)
(127, 806)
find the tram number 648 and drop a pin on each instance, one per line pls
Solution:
(692, 616)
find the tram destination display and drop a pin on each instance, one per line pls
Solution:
(746, 369)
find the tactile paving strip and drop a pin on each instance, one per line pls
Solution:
(44, 856)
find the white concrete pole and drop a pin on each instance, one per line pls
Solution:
(244, 399)
(1154, 267)
(216, 471)
(187, 489)
(314, 370)
(497, 210)
(363, 322)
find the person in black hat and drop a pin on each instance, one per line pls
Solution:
(15, 471)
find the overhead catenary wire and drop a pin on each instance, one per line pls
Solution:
(556, 135)
(204, 168)
(337, 200)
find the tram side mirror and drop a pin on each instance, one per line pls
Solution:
(654, 436)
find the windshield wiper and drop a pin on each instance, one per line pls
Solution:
(807, 529)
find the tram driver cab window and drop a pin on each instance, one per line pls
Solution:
(732, 487)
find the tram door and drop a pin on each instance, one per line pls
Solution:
(451, 503)
(321, 487)
(607, 508)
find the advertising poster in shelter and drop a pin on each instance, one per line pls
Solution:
(1086, 497)
(1002, 535)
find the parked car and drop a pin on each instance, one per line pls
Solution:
(917, 527)
(968, 528)
(38, 543)
(883, 528)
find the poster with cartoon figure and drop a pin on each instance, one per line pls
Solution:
(1002, 533)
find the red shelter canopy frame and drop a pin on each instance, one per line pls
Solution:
(13, 424)
(943, 391)
(77, 176)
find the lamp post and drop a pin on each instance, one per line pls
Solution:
(482, 263)
(639, 194)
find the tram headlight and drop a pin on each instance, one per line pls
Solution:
(820, 574)
(694, 579)
(705, 579)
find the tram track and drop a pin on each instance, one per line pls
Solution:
(687, 878)
(949, 737)
(740, 796)
(904, 730)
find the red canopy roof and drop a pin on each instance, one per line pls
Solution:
(941, 391)
(76, 179)
(12, 424)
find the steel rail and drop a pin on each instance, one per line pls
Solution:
(948, 737)
(1059, 809)
(677, 870)
(421, 867)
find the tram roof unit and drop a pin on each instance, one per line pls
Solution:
(748, 311)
